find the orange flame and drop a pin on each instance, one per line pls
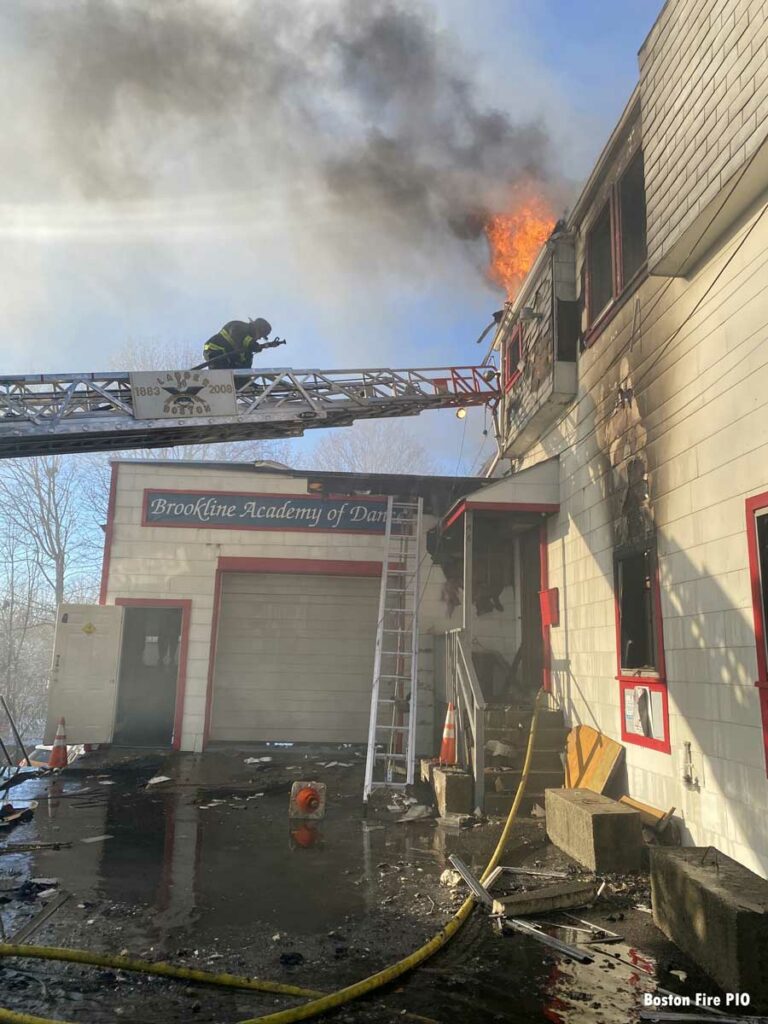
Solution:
(514, 240)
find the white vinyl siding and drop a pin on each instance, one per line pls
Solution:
(294, 658)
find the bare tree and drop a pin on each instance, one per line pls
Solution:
(43, 501)
(26, 631)
(374, 446)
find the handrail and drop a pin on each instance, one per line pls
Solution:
(466, 686)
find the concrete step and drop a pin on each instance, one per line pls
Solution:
(499, 804)
(502, 717)
(543, 758)
(506, 780)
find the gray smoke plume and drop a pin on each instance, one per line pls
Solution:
(364, 105)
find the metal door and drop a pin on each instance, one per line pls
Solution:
(84, 672)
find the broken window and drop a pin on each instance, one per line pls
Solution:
(632, 214)
(567, 324)
(638, 648)
(600, 264)
(512, 365)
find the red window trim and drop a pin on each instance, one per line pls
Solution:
(758, 503)
(295, 566)
(181, 676)
(614, 308)
(621, 289)
(654, 679)
(515, 338)
(657, 686)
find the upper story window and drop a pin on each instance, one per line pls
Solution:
(512, 362)
(600, 263)
(616, 241)
(631, 201)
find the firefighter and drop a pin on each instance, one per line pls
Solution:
(234, 346)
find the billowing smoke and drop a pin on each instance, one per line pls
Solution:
(362, 107)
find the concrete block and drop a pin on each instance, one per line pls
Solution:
(716, 911)
(598, 832)
(454, 791)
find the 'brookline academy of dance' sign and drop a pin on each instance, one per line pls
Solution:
(222, 510)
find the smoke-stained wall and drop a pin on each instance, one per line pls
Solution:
(663, 445)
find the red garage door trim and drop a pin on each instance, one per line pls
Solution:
(293, 566)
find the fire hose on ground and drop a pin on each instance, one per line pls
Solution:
(319, 1002)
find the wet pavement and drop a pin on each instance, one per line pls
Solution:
(206, 870)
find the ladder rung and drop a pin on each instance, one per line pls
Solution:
(391, 757)
(407, 631)
(386, 675)
(392, 728)
(377, 784)
(400, 654)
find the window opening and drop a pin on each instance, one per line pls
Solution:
(600, 264)
(636, 618)
(632, 214)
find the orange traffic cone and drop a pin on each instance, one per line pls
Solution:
(448, 746)
(58, 758)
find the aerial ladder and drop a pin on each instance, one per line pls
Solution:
(51, 414)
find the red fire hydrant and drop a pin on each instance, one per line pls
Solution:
(307, 800)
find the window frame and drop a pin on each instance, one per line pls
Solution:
(594, 317)
(515, 337)
(754, 506)
(621, 283)
(654, 678)
(621, 289)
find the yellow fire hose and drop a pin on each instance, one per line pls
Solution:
(319, 1003)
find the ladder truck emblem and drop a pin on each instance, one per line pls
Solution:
(184, 398)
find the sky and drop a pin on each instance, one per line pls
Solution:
(166, 168)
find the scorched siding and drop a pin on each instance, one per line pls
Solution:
(700, 420)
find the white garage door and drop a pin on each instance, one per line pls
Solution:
(294, 658)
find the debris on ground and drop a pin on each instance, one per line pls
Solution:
(416, 812)
(10, 815)
(543, 900)
(591, 759)
(157, 779)
(344, 899)
(451, 878)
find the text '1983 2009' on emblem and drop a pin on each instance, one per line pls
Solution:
(179, 394)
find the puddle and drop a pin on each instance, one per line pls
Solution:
(196, 872)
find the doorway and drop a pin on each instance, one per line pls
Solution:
(530, 661)
(149, 675)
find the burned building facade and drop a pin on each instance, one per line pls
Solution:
(634, 357)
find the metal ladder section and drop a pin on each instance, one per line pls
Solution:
(392, 732)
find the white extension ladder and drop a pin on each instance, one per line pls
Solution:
(392, 732)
